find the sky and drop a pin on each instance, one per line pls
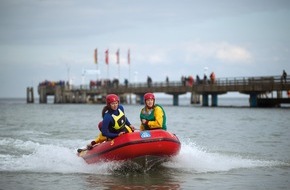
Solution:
(55, 40)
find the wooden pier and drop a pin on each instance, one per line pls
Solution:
(265, 91)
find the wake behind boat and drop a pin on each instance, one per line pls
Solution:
(142, 146)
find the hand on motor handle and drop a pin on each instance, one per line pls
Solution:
(144, 121)
(121, 133)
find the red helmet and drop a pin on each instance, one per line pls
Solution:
(149, 95)
(112, 98)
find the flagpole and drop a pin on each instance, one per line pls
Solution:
(130, 99)
(118, 62)
(96, 62)
(130, 73)
(98, 73)
(107, 62)
(129, 65)
(119, 72)
(107, 71)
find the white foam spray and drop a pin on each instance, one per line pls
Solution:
(59, 158)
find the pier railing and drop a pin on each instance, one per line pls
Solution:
(245, 85)
(220, 86)
(256, 87)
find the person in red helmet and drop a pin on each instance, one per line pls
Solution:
(115, 123)
(152, 116)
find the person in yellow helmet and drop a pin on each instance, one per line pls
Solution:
(152, 116)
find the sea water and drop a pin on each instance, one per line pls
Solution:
(225, 147)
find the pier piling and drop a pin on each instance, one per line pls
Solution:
(29, 95)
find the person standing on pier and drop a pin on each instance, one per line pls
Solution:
(152, 116)
(284, 76)
(115, 123)
(212, 78)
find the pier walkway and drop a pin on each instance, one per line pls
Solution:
(264, 91)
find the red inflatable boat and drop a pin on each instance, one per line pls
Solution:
(138, 146)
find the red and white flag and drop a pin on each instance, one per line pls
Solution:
(107, 56)
(118, 56)
(96, 56)
(129, 56)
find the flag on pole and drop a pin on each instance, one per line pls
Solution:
(117, 56)
(129, 56)
(107, 56)
(96, 56)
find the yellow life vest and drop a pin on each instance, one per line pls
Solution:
(119, 120)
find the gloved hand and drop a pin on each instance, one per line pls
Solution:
(144, 121)
(89, 147)
(121, 133)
